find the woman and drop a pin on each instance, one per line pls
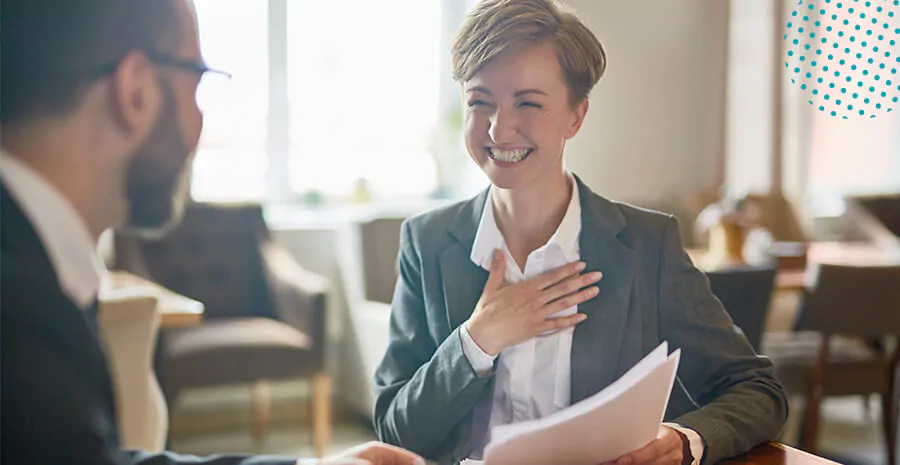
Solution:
(501, 313)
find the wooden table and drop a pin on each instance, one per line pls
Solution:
(835, 253)
(778, 454)
(175, 310)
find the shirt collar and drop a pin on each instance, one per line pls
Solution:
(489, 238)
(61, 230)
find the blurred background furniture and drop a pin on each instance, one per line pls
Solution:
(773, 211)
(367, 260)
(129, 323)
(877, 217)
(779, 216)
(174, 310)
(795, 279)
(777, 454)
(746, 293)
(264, 318)
(829, 356)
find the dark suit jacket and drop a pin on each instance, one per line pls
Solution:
(650, 292)
(57, 403)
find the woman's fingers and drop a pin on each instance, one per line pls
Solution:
(556, 275)
(569, 301)
(558, 324)
(570, 286)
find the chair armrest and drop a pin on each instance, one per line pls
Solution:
(366, 344)
(298, 295)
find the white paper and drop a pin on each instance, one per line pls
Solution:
(617, 420)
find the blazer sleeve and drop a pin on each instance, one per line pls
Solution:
(53, 412)
(168, 458)
(741, 403)
(423, 390)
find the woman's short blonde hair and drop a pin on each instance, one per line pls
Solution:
(495, 25)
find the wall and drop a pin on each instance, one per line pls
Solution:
(751, 87)
(655, 130)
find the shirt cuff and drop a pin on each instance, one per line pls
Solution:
(694, 441)
(481, 362)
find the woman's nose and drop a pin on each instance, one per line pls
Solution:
(503, 128)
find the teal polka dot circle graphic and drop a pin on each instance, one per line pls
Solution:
(844, 55)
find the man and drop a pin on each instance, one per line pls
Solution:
(98, 123)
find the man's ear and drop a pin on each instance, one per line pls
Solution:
(136, 96)
(578, 114)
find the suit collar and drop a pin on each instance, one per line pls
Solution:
(597, 213)
(488, 236)
(464, 225)
(598, 340)
(61, 230)
(33, 297)
(18, 237)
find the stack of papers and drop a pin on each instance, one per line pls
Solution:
(618, 420)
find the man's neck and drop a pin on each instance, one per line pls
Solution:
(63, 163)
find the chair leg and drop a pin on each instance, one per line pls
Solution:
(809, 440)
(867, 407)
(889, 420)
(321, 413)
(262, 407)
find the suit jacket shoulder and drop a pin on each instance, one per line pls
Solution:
(433, 231)
(56, 395)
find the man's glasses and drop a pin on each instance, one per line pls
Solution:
(213, 86)
(194, 66)
(198, 67)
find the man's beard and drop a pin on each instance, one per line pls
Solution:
(158, 176)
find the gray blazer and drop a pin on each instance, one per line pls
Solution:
(426, 389)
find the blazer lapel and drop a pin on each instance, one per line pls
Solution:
(463, 281)
(463, 284)
(36, 298)
(598, 340)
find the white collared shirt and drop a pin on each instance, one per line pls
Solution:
(533, 378)
(62, 231)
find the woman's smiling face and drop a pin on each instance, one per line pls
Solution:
(519, 116)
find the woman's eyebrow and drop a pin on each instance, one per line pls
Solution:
(522, 92)
(483, 90)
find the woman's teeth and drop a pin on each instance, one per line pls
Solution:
(509, 156)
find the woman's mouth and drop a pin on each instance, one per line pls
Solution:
(508, 155)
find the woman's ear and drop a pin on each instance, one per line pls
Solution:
(578, 114)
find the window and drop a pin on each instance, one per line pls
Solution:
(363, 90)
(231, 161)
(855, 156)
(326, 97)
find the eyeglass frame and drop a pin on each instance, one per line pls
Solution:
(160, 59)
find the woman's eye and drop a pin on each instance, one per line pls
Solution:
(477, 103)
(529, 104)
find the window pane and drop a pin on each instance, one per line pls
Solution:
(363, 81)
(857, 155)
(231, 158)
(854, 155)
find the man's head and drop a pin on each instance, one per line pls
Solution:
(115, 79)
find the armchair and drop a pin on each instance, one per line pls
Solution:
(265, 314)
